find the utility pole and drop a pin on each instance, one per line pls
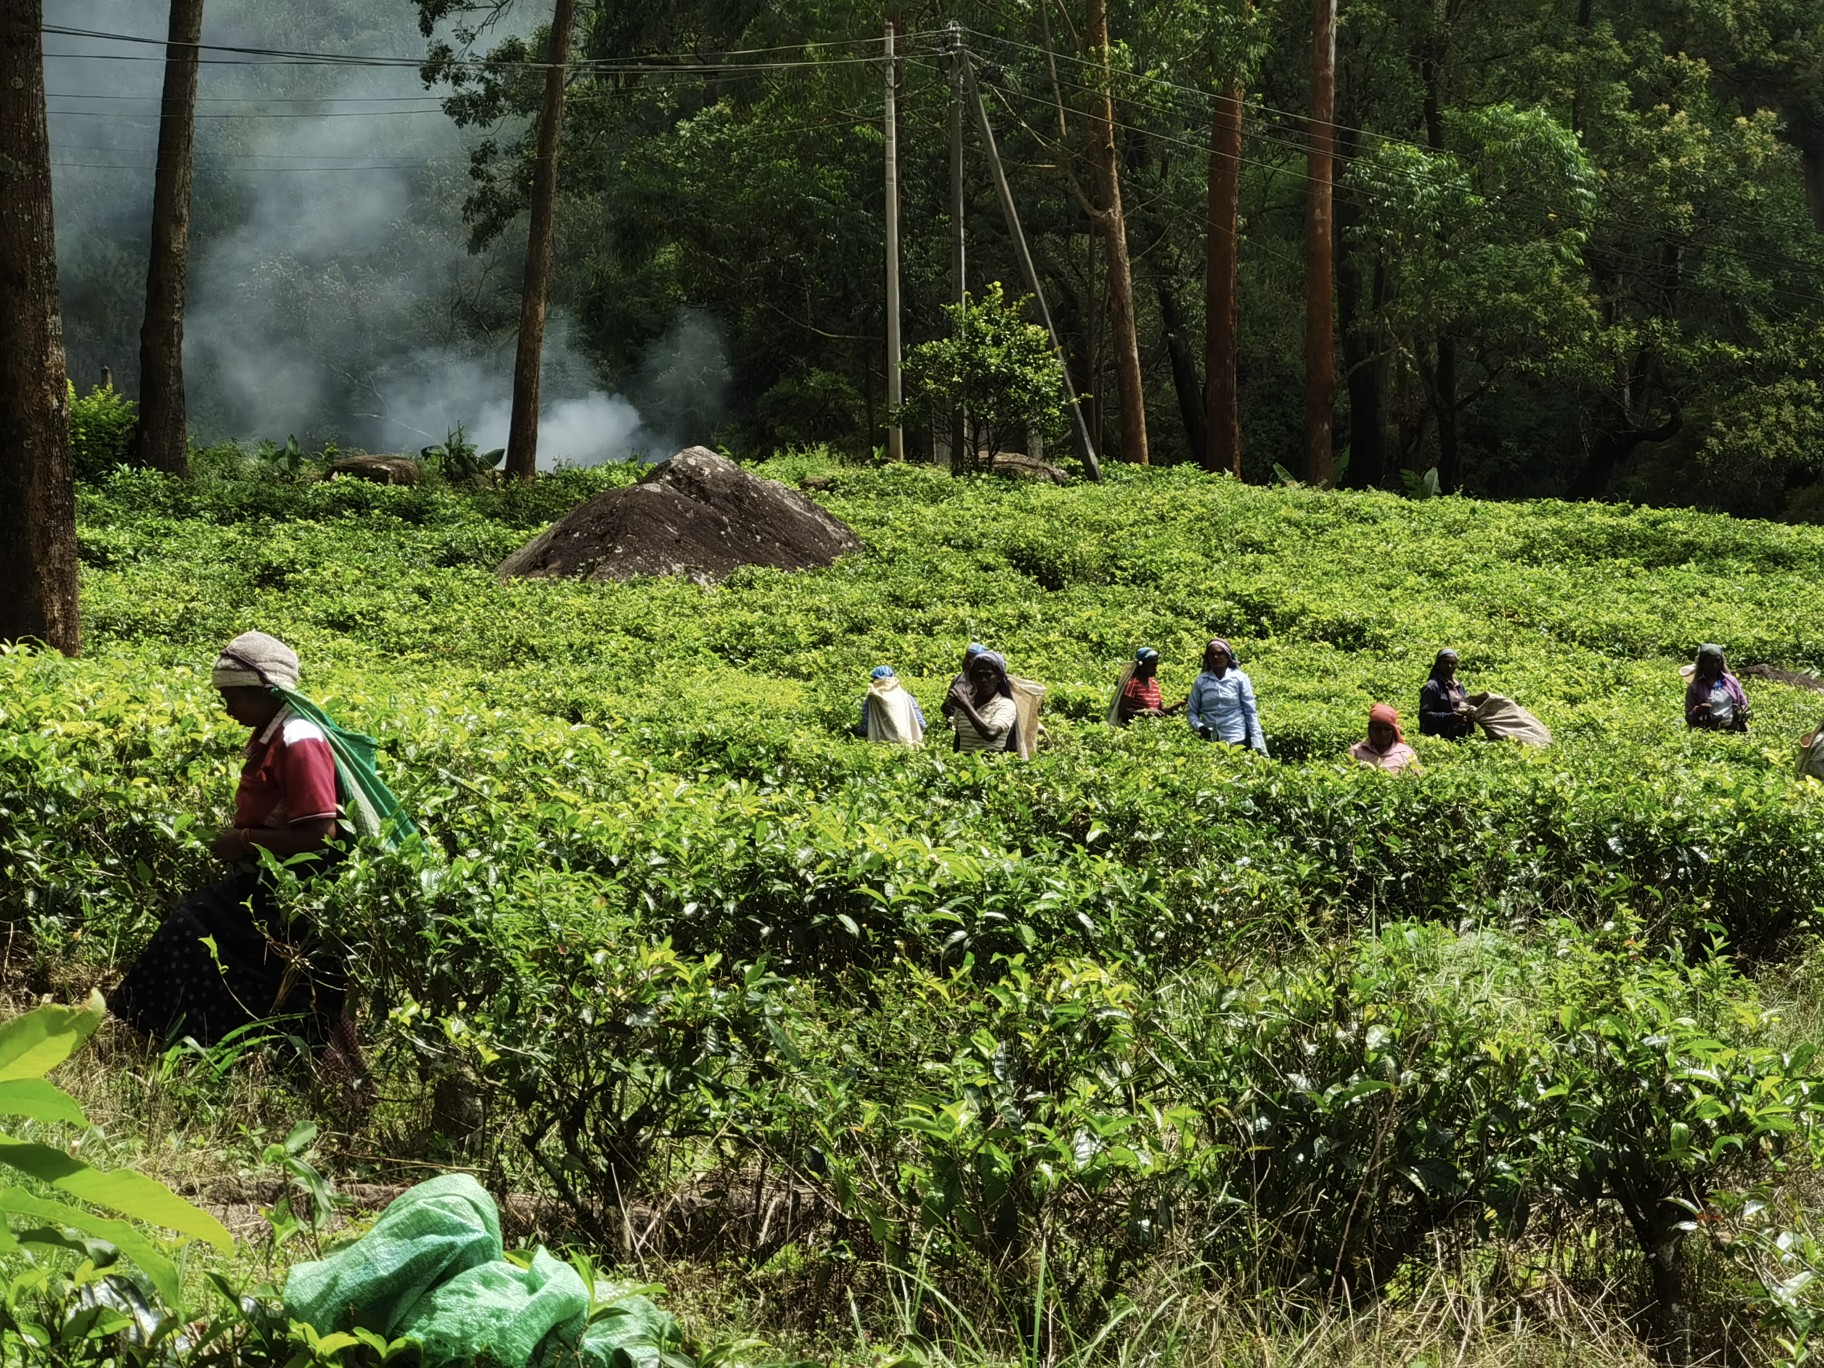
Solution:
(1086, 448)
(1320, 163)
(959, 283)
(896, 435)
(522, 428)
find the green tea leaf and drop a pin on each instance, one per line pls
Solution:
(37, 1042)
(131, 1194)
(126, 1238)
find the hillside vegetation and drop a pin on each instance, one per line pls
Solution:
(970, 1054)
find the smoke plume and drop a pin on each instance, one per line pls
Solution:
(331, 292)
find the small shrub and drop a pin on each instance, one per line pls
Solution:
(102, 425)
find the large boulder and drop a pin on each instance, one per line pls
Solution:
(698, 515)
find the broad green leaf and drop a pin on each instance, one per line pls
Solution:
(37, 1042)
(126, 1238)
(131, 1194)
(39, 1100)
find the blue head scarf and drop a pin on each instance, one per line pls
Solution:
(882, 672)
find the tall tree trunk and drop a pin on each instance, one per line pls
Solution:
(1320, 341)
(1111, 221)
(1585, 16)
(1185, 381)
(1222, 413)
(1361, 291)
(37, 497)
(522, 434)
(163, 437)
(1444, 397)
(1442, 384)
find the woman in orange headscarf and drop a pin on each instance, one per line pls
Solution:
(1386, 746)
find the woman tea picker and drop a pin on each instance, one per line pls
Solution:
(889, 714)
(1221, 706)
(1714, 700)
(1444, 703)
(1386, 747)
(1137, 693)
(229, 955)
(981, 706)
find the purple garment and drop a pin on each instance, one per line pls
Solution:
(1698, 691)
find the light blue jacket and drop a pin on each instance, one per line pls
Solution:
(1226, 707)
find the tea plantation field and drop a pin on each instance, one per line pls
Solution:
(1146, 1051)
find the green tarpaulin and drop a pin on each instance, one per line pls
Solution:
(368, 804)
(431, 1270)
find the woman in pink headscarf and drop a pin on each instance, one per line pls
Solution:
(1386, 746)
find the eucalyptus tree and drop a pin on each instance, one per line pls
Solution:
(37, 497)
(443, 63)
(163, 439)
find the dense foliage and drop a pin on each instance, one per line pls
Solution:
(1576, 247)
(102, 423)
(1017, 1030)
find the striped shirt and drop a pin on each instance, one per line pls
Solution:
(1000, 716)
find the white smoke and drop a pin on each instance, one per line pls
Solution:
(681, 393)
(331, 293)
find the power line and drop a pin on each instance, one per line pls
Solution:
(677, 68)
(153, 97)
(332, 114)
(605, 66)
(1798, 296)
(263, 156)
(689, 62)
(1523, 197)
(122, 166)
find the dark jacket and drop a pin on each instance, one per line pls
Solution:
(1438, 710)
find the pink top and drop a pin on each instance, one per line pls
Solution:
(1394, 759)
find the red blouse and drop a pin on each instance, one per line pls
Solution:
(1143, 693)
(290, 776)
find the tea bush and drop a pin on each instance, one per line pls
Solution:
(1141, 998)
(102, 426)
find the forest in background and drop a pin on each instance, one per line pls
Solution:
(1575, 251)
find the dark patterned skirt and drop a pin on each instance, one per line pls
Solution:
(226, 958)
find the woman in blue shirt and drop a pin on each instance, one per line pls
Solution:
(1221, 705)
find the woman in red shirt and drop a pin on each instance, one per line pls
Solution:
(227, 956)
(1138, 695)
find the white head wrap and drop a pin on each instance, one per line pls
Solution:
(254, 660)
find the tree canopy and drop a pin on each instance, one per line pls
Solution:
(1577, 250)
